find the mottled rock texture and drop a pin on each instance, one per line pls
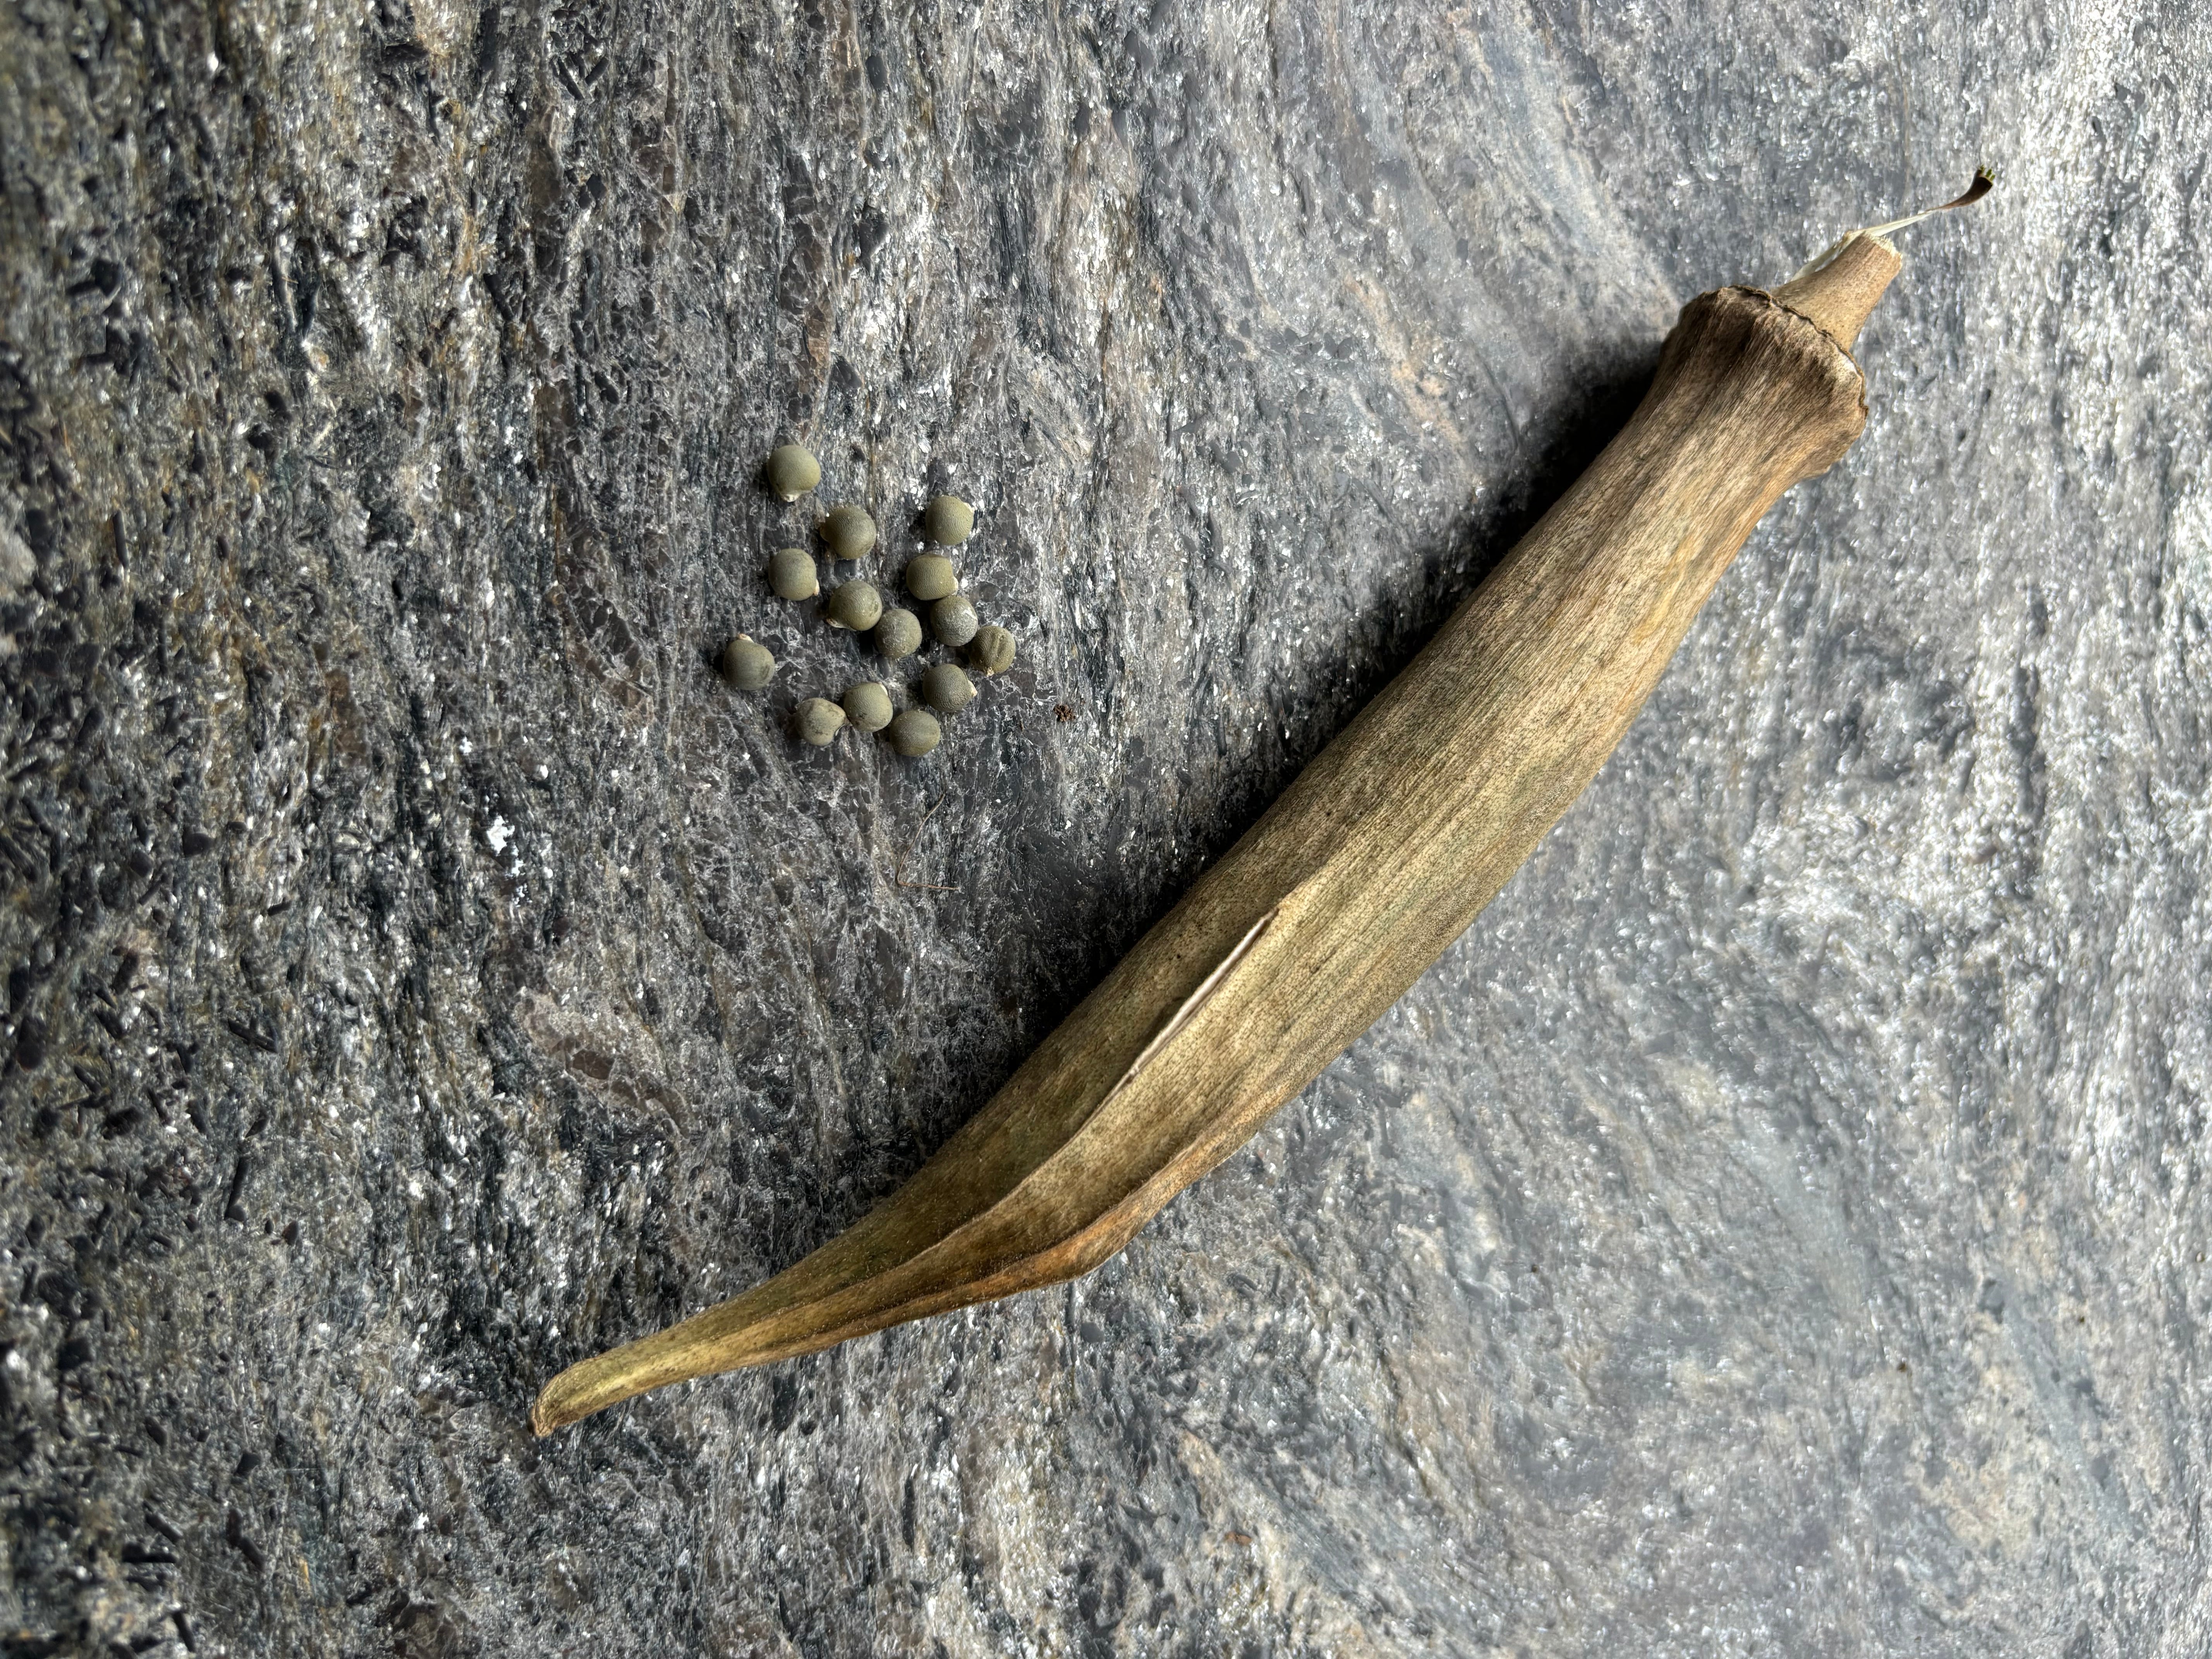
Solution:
(1778, 1226)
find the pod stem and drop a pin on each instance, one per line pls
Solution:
(1837, 289)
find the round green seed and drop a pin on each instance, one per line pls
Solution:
(898, 634)
(952, 619)
(848, 532)
(868, 705)
(747, 664)
(947, 689)
(819, 721)
(947, 520)
(791, 573)
(992, 650)
(930, 576)
(856, 605)
(915, 733)
(793, 470)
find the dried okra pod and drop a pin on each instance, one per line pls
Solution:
(1363, 873)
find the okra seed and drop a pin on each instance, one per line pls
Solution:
(915, 733)
(947, 689)
(898, 634)
(819, 719)
(930, 576)
(855, 604)
(848, 533)
(747, 664)
(992, 651)
(947, 520)
(791, 573)
(868, 705)
(793, 470)
(952, 619)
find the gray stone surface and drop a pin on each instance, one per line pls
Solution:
(1778, 1226)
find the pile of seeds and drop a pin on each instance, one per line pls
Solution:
(849, 534)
